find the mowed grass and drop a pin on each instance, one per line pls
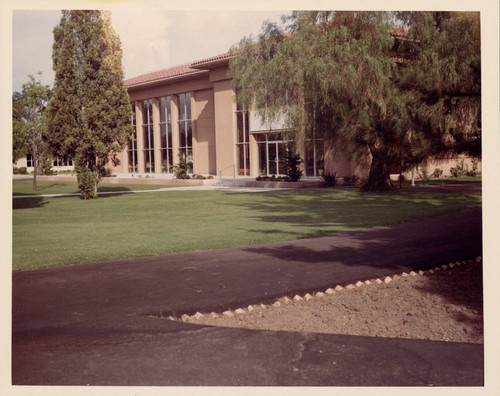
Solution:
(25, 187)
(68, 230)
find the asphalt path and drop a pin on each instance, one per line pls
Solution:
(98, 323)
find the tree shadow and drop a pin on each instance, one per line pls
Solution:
(461, 286)
(28, 203)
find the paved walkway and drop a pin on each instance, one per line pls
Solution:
(95, 323)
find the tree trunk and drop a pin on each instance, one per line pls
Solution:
(379, 177)
(35, 167)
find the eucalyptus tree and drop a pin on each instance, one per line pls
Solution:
(89, 115)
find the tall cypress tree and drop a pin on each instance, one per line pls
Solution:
(89, 115)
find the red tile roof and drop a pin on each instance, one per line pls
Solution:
(164, 74)
(192, 68)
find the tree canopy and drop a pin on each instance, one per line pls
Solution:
(357, 76)
(28, 127)
(89, 115)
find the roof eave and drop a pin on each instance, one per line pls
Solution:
(160, 81)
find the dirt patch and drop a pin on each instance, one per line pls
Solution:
(443, 305)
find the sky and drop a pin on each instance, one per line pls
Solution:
(151, 38)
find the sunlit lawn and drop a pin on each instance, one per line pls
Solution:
(59, 231)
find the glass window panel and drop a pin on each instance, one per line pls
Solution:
(182, 131)
(188, 106)
(163, 130)
(189, 134)
(162, 109)
(182, 107)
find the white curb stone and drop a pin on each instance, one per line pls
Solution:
(198, 315)
(339, 288)
(329, 291)
(171, 318)
(444, 266)
(431, 271)
(420, 272)
(395, 277)
(286, 300)
(413, 273)
(350, 286)
(359, 284)
(239, 311)
(297, 298)
(250, 308)
(228, 314)
(387, 279)
(451, 265)
(404, 274)
(184, 317)
(308, 297)
(437, 269)
(378, 281)
(367, 282)
(320, 294)
(214, 315)
(277, 304)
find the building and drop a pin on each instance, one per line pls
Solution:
(191, 110)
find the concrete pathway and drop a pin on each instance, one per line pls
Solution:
(97, 323)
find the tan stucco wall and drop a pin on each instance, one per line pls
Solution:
(224, 127)
(204, 132)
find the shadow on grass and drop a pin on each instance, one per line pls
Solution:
(336, 211)
(28, 203)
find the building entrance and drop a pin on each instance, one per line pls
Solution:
(272, 154)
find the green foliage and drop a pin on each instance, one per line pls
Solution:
(333, 73)
(89, 115)
(329, 179)
(350, 180)
(292, 164)
(28, 127)
(425, 172)
(182, 167)
(20, 171)
(87, 183)
(437, 173)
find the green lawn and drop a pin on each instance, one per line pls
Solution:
(447, 180)
(68, 230)
(25, 187)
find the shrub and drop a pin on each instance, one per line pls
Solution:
(182, 167)
(474, 171)
(87, 183)
(330, 180)
(425, 172)
(350, 180)
(437, 173)
(20, 171)
(292, 163)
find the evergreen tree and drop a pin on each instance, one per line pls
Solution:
(28, 107)
(89, 116)
(336, 71)
(443, 80)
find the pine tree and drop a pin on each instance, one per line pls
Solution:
(28, 127)
(89, 116)
(336, 71)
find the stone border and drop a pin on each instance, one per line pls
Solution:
(330, 291)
